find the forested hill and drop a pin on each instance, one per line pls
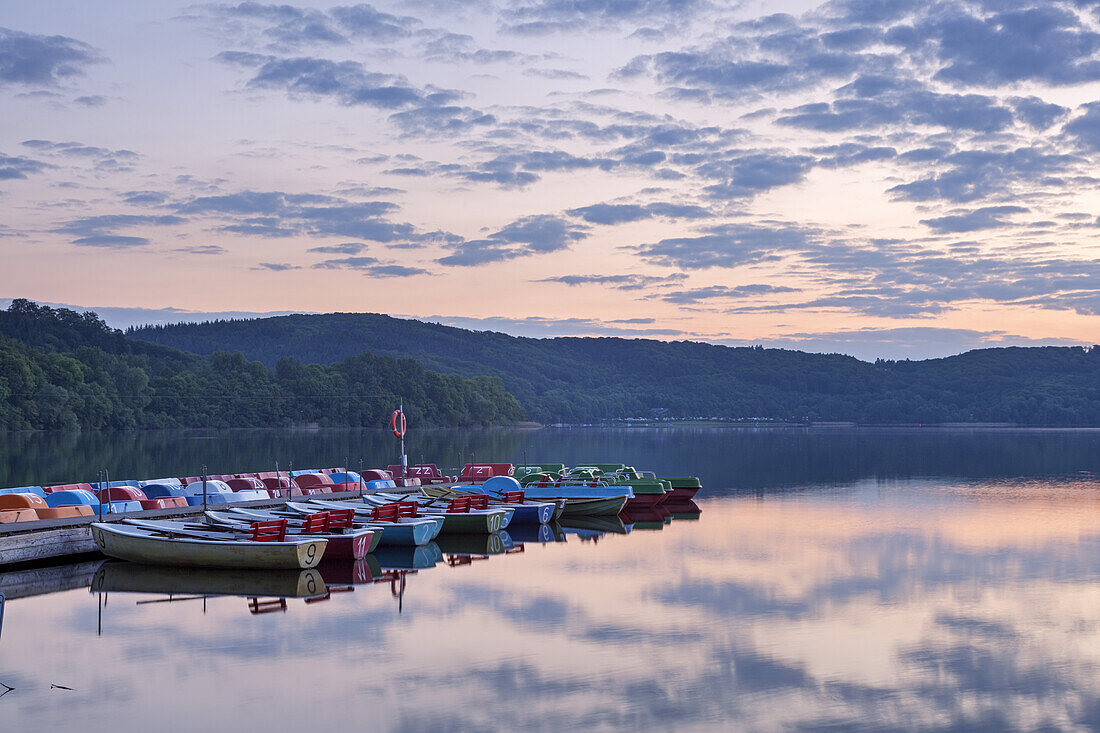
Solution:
(588, 379)
(63, 370)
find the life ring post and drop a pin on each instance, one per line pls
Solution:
(398, 424)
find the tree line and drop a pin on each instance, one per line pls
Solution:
(576, 380)
(61, 370)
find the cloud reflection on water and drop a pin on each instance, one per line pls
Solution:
(904, 605)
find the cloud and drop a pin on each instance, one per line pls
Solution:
(538, 17)
(978, 174)
(744, 174)
(397, 271)
(728, 245)
(277, 266)
(100, 231)
(458, 47)
(541, 327)
(526, 236)
(1044, 43)
(12, 167)
(346, 81)
(103, 159)
(617, 282)
(363, 21)
(91, 100)
(32, 60)
(347, 248)
(276, 214)
(989, 217)
(370, 266)
(202, 249)
(622, 213)
(1085, 128)
(145, 198)
(1037, 113)
(875, 102)
(555, 74)
(95, 224)
(541, 233)
(695, 295)
(110, 241)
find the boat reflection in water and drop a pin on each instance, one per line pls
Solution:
(126, 577)
(614, 524)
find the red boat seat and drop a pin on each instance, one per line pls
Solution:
(460, 504)
(315, 523)
(340, 519)
(385, 513)
(270, 531)
(513, 497)
(408, 509)
(479, 501)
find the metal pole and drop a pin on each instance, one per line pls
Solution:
(107, 480)
(100, 508)
(360, 478)
(289, 479)
(278, 480)
(204, 487)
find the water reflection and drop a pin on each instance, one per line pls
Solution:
(726, 459)
(879, 603)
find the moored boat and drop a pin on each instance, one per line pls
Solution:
(172, 546)
(684, 488)
(345, 542)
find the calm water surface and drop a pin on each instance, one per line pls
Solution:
(853, 580)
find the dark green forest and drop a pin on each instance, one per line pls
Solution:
(63, 370)
(590, 379)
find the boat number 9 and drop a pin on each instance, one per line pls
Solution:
(311, 551)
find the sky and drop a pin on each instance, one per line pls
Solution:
(884, 178)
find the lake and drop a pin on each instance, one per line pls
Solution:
(832, 580)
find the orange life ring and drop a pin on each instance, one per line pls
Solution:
(397, 423)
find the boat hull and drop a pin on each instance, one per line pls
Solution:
(143, 547)
(580, 507)
(352, 546)
(645, 500)
(682, 494)
(477, 522)
(405, 534)
(534, 513)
